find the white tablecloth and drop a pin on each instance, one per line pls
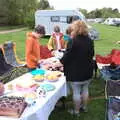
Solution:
(43, 106)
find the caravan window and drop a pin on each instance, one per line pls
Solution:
(63, 19)
(70, 19)
(76, 18)
(55, 19)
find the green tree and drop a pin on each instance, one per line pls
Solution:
(84, 11)
(43, 4)
(3, 12)
(104, 13)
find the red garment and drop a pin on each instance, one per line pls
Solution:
(115, 57)
(112, 58)
(45, 52)
(103, 59)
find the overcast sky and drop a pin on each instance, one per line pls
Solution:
(85, 4)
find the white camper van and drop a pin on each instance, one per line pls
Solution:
(63, 18)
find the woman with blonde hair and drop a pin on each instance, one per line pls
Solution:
(78, 65)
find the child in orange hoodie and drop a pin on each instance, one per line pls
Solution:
(33, 47)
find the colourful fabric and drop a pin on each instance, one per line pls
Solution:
(112, 58)
(32, 50)
(52, 43)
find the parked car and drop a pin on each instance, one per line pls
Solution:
(117, 23)
(94, 34)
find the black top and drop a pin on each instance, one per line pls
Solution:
(78, 59)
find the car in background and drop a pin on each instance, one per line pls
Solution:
(112, 21)
(117, 23)
(93, 34)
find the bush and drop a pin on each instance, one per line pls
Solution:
(30, 20)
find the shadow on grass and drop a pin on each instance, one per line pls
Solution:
(96, 111)
(97, 87)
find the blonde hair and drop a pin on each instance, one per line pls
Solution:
(79, 28)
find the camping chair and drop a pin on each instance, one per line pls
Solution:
(112, 88)
(6, 70)
(9, 51)
(113, 108)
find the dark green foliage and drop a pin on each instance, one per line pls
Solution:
(20, 12)
(101, 13)
(43, 4)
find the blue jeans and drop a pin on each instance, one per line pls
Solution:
(80, 92)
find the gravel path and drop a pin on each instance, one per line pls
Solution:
(10, 31)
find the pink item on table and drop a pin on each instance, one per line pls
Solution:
(29, 89)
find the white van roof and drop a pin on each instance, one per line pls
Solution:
(58, 12)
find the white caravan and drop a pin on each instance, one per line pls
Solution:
(112, 21)
(50, 18)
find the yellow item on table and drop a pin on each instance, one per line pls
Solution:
(38, 78)
(31, 95)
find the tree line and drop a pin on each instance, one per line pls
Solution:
(101, 13)
(22, 12)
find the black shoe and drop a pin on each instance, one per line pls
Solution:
(83, 110)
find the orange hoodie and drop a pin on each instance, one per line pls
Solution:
(32, 50)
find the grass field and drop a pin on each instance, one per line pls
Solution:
(109, 35)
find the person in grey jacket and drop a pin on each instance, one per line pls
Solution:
(78, 64)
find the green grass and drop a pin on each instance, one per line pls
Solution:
(2, 28)
(109, 35)
(96, 112)
(19, 38)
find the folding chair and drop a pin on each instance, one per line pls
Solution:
(112, 88)
(9, 51)
(113, 108)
